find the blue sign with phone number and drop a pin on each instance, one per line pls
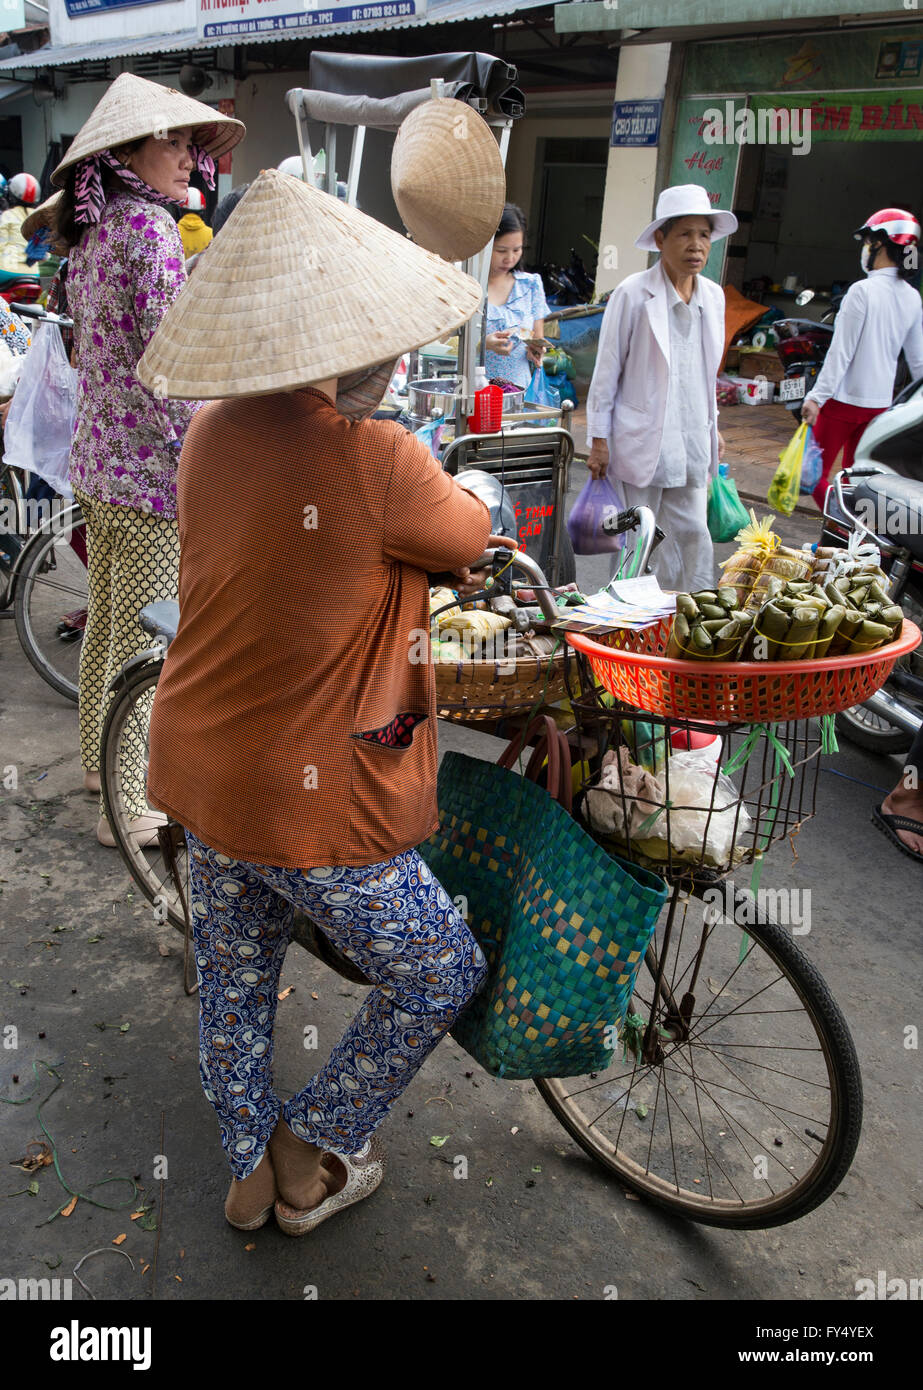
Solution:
(636, 122)
(309, 19)
(76, 8)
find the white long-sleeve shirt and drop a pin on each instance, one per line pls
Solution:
(878, 317)
(685, 449)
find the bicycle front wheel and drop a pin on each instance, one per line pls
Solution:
(124, 755)
(51, 600)
(741, 1103)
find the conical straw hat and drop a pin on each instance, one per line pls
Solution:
(132, 108)
(447, 178)
(299, 287)
(46, 215)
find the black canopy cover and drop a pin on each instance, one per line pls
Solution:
(478, 75)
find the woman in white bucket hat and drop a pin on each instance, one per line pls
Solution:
(652, 420)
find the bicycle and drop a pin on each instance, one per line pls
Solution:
(45, 586)
(45, 579)
(695, 1021)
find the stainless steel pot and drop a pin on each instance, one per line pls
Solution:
(433, 396)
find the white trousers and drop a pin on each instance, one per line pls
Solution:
(685, 558)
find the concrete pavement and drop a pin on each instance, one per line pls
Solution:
(81, 956)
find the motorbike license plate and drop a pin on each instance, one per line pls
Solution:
(791, 389)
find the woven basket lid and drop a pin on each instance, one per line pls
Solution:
(132, 108)
(299, 287)
(447, 178)
(46, 215)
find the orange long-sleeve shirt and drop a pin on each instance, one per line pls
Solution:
(294, 722)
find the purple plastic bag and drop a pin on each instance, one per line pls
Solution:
(597, 501)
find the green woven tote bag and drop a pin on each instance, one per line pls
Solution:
(563, 925)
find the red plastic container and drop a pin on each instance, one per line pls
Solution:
(633, 667)
(488, 411)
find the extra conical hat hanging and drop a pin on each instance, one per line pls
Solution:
(46, 215)
(133, 108)
(298, 287)
(447, 178)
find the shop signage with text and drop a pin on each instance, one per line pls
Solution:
(227, 18)
(76, 8)
(636, 122)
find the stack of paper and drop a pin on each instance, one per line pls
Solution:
(624, 603)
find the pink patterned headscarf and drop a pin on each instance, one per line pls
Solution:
(90, 196)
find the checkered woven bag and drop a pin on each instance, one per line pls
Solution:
(563, 925)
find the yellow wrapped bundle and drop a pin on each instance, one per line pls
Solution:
(760, 558)
(438, 598)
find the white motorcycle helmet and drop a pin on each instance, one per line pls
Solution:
(195, 200)
(24, 188)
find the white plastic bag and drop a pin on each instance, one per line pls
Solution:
(705, 817)
(40, 425)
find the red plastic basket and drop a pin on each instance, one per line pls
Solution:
(488, 411)
(631, 665)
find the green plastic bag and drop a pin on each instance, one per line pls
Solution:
(726, 513)
(786, 482)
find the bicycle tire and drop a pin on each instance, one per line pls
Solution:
(30, 565)
(839, 1144)
(11, 491)
(146, 866)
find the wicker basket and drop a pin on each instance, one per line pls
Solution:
(486, 690)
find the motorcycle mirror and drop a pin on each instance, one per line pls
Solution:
(804, 297)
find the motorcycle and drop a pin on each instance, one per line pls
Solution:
(879, 501)
(801, 347)
(565, 288)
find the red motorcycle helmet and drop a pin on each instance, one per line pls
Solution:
(896, 224)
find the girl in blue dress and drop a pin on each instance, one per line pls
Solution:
(516, 305)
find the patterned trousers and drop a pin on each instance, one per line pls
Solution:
(132, 559)
(393, 919)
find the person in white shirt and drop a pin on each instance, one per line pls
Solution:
(652, 418)
(878, 317)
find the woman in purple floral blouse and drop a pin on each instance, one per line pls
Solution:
(128, 166)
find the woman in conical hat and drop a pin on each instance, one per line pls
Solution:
(124, 172)
(293, 730)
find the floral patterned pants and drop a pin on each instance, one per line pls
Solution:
(394, 920)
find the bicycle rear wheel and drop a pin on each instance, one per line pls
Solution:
(124, 746)
(743, 1105)
(50, 584)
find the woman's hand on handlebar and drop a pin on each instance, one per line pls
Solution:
(472, 581)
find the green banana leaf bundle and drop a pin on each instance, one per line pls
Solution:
(797, 620)
(709, 626)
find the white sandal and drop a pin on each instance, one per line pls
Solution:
(142, 829)
(364, 1172)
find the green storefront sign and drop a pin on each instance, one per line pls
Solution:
(816, 63)
(859, 86)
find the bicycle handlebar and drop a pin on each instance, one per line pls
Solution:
(38, 311)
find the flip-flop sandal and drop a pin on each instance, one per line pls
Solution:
(889, 824)
(364, 1172)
